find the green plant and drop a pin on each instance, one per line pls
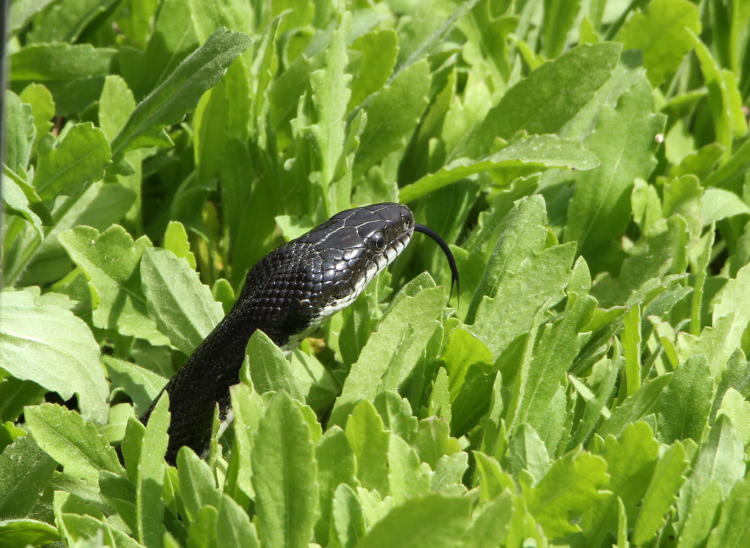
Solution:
(587, 160)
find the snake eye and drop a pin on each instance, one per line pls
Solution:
(378, 241)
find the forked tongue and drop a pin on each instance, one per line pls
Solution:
(444, 246)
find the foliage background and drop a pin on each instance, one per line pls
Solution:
(587, 161)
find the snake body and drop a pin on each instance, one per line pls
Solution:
(286, 294)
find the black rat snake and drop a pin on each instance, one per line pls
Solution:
(286, 294)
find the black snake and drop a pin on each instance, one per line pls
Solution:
(286, 294)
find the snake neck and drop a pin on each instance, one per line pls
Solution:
(204, 381)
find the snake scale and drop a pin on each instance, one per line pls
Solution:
(286, 294)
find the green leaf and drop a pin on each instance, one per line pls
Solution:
(428, 521)
(624, 140)
(59, 62)
(546, 99)
(197, 483)
(270, 370)
(79, 158)
(25, 470)
(537, 283)
(110, 262)
(733, 529)
(570, 486)
(176, 240)
(65, 20)
(179, 92)
(686, 402)
(369, 441)
(19, 133)
(336, 466)
(233, 526)
(373, 59)
(43, 342)
(720, 460)
(388, 129)
(388, 357)
(151, 469)
(662, 489)
(25, 532)
(330, 94)
(717, 204)
(100, 205)
(348, 521)
(559, 18)
(116, 104)
(284, 476)
(180, 305)
(71, 441)
(661, 33)
(543, 151)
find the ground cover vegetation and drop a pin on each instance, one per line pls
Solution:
(586, 159)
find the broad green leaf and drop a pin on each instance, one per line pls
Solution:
(116, 104)
(269, 369)
(388, 358)
(631, 343)
(725, 102)
(110, 261)
(702, 517)
(100, 205)
(284, 476)
(537, 283)
(336, 466)
(233, 526)
(520, 234)
(180, 305)
(25, 471)
(141, 384)
(248, 411)
(45, 343)
(570, 486)
(686, 401)
(179, 92)
(369, 441)
(19, 133)
(462, 350)
(151, 469)
(397, 415)
(406, 477)
(730, 305)
(22, 11)
(556, 347)
(546, 99)
(720, 460)
(71, 441)
(65, 20)
(197, 483)
(661, 492)
(660, 32)
(635, 407)
(176, 240)
(491, 522)
(733, 529)
(330, 94)
(348, 522)
(536, 151)
(428, 521)
(528, 452)
(718, 204)
(737, 410)
(388, 129)
(24, 532)
(60, 61)
(170, 37)
(372, 63)
(78, 159)
(624, 141)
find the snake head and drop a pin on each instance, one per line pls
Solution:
(296, 286)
